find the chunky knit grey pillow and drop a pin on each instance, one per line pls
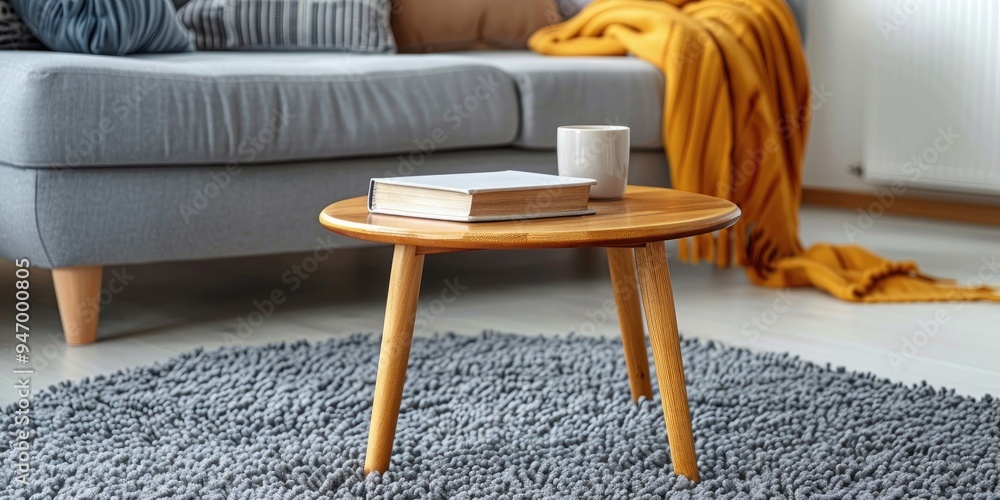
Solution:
(335, 25)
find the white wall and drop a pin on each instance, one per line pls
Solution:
(836, 47)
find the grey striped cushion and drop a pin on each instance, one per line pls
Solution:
(13, 32)
(338, 25)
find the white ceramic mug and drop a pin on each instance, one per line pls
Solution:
(599, 152)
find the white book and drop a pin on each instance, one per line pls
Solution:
(481, 197)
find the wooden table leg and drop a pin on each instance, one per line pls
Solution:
(658, 299)
(397, 334)
(621, 261)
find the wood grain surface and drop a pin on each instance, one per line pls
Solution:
(397, 334)
(621, 263)
(661, 317)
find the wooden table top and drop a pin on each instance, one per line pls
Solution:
(643, 215)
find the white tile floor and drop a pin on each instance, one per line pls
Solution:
(171, 308)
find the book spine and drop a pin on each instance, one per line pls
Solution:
(371, 195)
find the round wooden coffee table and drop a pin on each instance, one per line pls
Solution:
(633, 230)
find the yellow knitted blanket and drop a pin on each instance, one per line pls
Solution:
(735, 121)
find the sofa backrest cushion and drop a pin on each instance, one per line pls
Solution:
(237, 108)
(333, 25)
(105, 27)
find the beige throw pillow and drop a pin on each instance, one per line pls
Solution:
(447, 25)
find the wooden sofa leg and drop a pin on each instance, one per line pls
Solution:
(78, 293)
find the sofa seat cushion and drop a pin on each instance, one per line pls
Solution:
(156, 213)
(582, 91)
(72, 110)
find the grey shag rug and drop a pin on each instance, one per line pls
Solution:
(501, 416)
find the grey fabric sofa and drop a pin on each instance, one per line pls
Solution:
(128, 160)
(171, 157)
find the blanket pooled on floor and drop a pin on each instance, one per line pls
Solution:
(735, 122)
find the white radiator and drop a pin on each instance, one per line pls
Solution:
(933, 95)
